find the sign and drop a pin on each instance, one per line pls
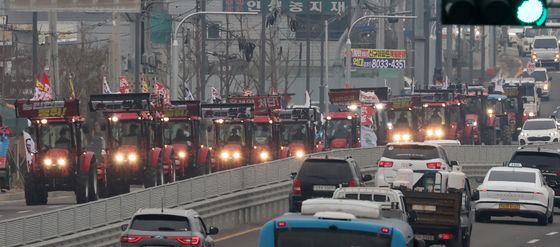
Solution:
(511, 91)
(404, 102)
(67, 31)
(45, 109)
(182, 109)
(325, 7)
(530, 68)
(122, 6)
(298, 114)
(131, 102)
(379, 58)
(262, 104)
(368, 137)
(220, 111)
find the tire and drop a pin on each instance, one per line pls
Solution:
(172, 176)
(93, 194)
(506, 136)
(82, 187)
(35, 193)
(543, 220)
(116, 186)
(150, 177)
(467, 239)
(551, 217)
(491, 137)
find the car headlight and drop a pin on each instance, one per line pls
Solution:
(545, 86)
(237, 155)
(182, 154)
(264, 155)
(224, 155)
(300, 153)
(61, 162)
(439, 133)
(429, 132)
(119, 158)
(47, 162)
(553, 133)
(132, 157)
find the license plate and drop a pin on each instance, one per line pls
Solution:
(324, 188)
(423, 237)
(509, 206)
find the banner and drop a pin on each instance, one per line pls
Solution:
(29, 149)
(4, 146)
(368, 97)
(262, 103)
(368, 137)
(378, 58)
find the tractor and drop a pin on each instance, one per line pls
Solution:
(60, 161)
(298, 131)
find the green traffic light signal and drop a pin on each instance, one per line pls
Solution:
(531, 12)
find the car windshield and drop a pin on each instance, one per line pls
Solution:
(293, 133)
(330, 171)
(315, 237)
(158, 222)
(512, 176)
(540, 160)
(177, 132)
(545, 43)
(411, 152)
(262, 133)
(232, 133)
(126, 132)
(55, 135)
(539, 125)
(538, 75)
(530, 33)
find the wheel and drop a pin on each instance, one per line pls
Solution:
(93, 194)
(551, 217)
(506, 136)
(491, 137)
(82, 187)
(172, 176)
(149, 177)
(543, 220)
(467, 239)
(35, 193)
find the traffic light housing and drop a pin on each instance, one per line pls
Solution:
(494, 12)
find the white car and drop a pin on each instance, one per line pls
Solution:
(542, 81)
(538, 130)
(513, 35)
(392, 201)
(514, 191)
(415, 156)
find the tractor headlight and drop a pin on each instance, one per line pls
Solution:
(396, 137)
(61, 162)
(264, 155)
(182, 154)
(531, 114)
(430, 133)
(47, 162)
(490, 111)
(236, 155)
(119, 157)
(406, 137)
(439, 133)
(132, 157)
(300, 153)
(224, 155)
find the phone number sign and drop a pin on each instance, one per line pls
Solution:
(379, 58)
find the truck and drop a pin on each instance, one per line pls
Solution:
(231, 134)
(61, 162)
(439, 203)
(131, 155)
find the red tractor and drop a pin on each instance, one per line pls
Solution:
(403, 118)
(232, 139)
(442, 115)
(60, 161)
(476, 116)
(513, 107)
(179, 128)
(266, 143)
(298, 131)
(131, 156)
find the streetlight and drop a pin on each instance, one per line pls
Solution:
(175, 45)
(349, 43)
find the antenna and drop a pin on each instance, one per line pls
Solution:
(162, 203)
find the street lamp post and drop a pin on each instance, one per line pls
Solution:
(349, 43)
(175, 45)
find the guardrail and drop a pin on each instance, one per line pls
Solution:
(204, 193)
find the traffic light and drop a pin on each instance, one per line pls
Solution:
(494, 12)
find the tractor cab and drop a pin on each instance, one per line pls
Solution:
(298, 131)
(440, 115)
(61, 161)
(497, 120)
(232, 137)
(513, 107)
(342, 130)
(403, 115)
(130, 156)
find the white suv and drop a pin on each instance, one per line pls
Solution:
(545, 52)
(538, 130)
(414, 156)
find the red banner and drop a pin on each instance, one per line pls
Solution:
(46, 109)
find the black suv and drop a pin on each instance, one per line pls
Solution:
(319, 177)
(546, 160)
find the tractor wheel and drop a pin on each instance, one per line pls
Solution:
(506, 136)
(82, 187)
(490, 137)
(35, 193)
(116, 186)
(150, 177)
(93, 194)
(160, 174)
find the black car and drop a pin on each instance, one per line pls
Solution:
(546, 160)
(319, 177)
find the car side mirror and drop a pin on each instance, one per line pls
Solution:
(213, 230)
(367, 177)
(454, 163)
(293, 175)
(124, 227)
(475, 196)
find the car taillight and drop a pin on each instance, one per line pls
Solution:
(194, 240)
(384, 230)
(296, 187)
(385, 163)
(353, 183)
(434, 165)
(445, 236)
(133, 238)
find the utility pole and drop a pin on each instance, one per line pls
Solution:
(449, 51)
(380, 32)
(420, 42)
(262, 77)
(35, 42)
(53, 42)
(137, 52)
(202, 54)
(482, 53)
(115, 64)
(471, 51)
(307, 47)
(322, 86)
(459, 53)
(439, 45)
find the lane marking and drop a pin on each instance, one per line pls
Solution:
(237, 234)
(551, 233)
(23, 211)
(533, 241)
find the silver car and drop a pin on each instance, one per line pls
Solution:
(167, 227)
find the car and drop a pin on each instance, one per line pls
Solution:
(538, 130)
(546, 160)
(545, 52)
(167, 227)
(414, 155)
(542, 81)
(556, 115)
(514, 191)
(328, 222)
(513, 35)
(320, 176)
(524, 46)
(391, 201)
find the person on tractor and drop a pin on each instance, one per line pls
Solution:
(63, 140)
(132, 137)
(402, 121)
(262, 135)
(436, 118)
(234, 137)
(180, 136)
(298, 135)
